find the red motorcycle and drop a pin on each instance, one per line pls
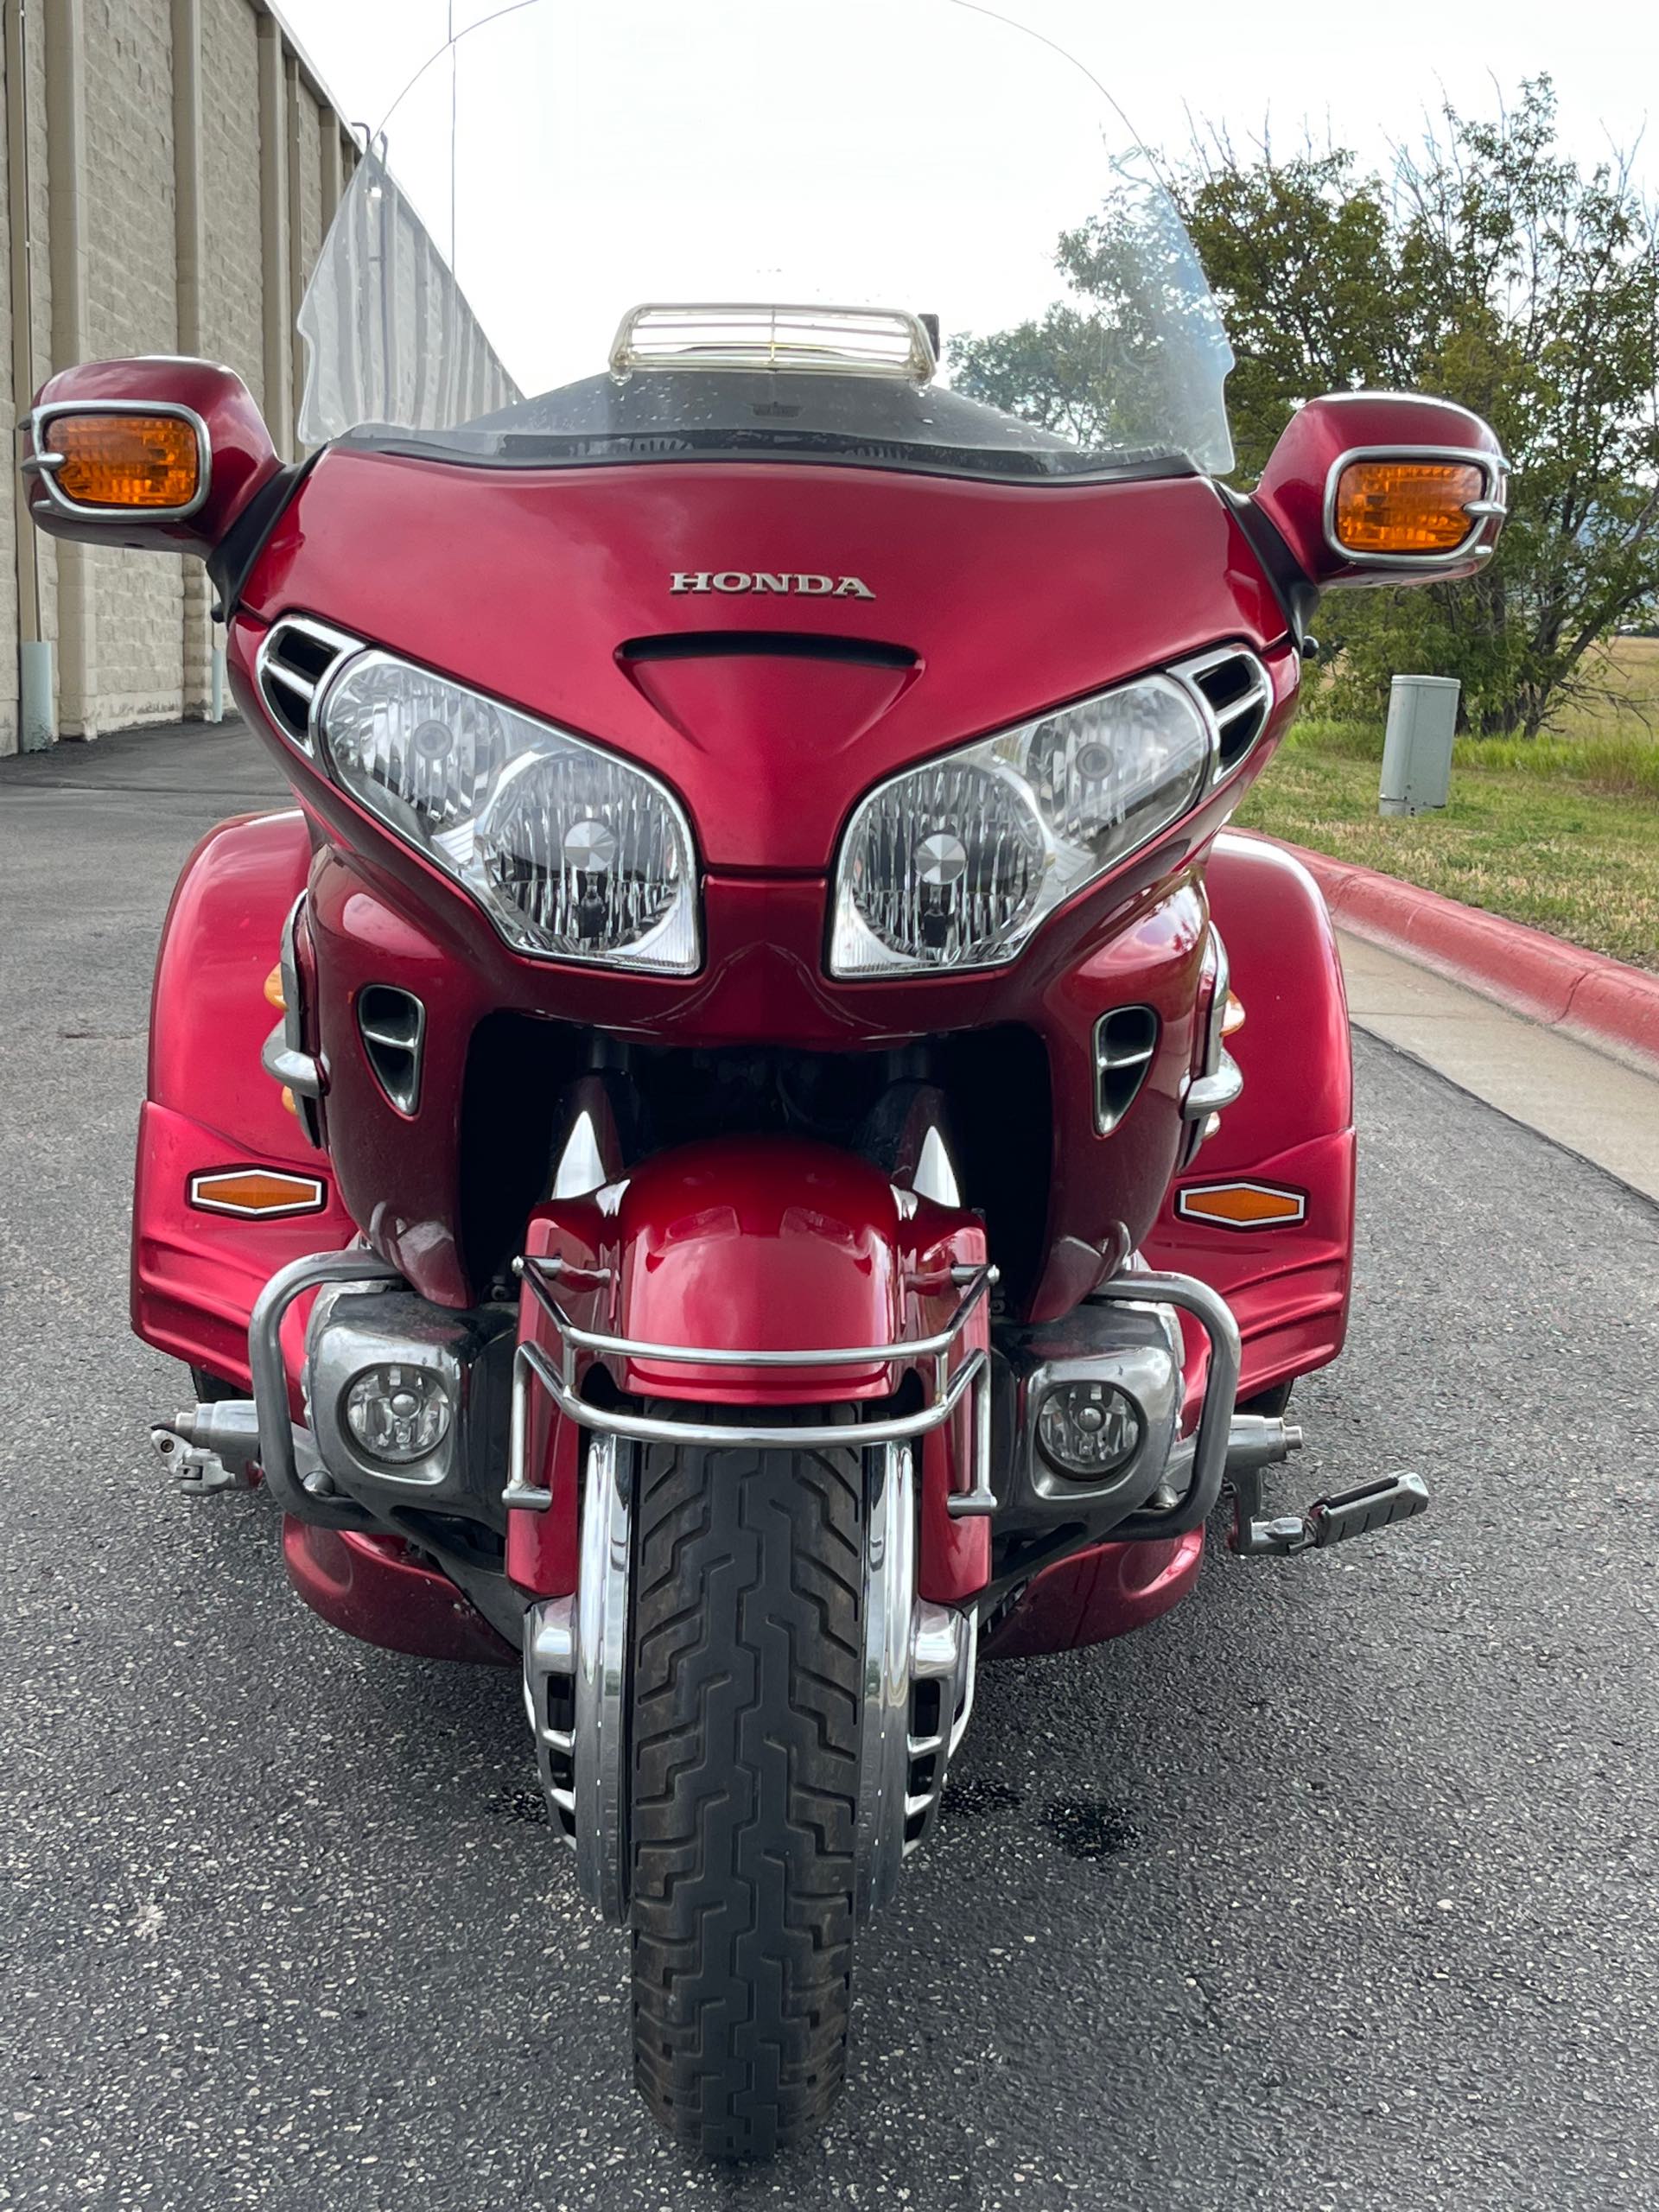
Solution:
(760, 1193)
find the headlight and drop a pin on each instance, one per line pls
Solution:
(955, 863)
(571, 852)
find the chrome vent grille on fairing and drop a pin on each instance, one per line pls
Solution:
(392, 1025)
(1125, 1041)
(1238, 692)
(297, 656)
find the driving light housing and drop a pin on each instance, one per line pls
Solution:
(955, 863)
(1088, 1429)
(573, 852)
(398, 1415)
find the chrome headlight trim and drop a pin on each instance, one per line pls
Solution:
(461, 831)
(1127, 821)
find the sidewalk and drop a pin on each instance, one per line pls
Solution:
(1606, 1004)
(1569, 1092)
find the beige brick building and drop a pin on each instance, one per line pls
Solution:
(171, 166)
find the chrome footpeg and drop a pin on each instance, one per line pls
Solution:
(1328, 1521)
(214, 1447)
(211, 1449)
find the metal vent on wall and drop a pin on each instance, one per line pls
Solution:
(392, 1025)
(1238, 692)
(295, 658)
(1125, 1041)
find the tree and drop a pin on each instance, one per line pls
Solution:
(1487, 267)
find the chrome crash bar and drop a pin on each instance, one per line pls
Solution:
(296, 1493)
(932, 1353)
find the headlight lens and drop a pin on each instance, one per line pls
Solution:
(573, 852)
(954, 864)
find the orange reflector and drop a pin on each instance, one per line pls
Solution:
(1407, 506)
(126, 460)
(1232, 1020)
(274, 991)
(257, 1193)
(1242, 1205)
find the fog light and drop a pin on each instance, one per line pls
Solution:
(1088, 1429)
(398, 1413)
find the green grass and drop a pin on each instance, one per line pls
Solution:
(1562, 833)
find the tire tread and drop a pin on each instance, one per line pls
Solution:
(745, 1712)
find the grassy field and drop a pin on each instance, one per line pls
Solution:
(1562, 832)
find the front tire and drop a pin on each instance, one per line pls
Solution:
(747, 1659)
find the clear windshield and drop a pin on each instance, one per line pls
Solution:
(900, 231)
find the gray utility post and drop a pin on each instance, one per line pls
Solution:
(1417, 750)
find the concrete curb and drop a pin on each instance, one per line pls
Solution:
(1584, 994)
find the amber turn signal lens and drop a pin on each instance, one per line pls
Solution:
(141, 462)
(255, 1192)
(1407, 506)
(1242, 1205)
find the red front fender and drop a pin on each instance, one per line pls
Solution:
(769, 1245)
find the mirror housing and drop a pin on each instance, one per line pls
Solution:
(166, 453)
(1369, 487)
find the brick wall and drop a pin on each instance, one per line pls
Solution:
(41, 553)
(233, 324)
(132, 307)
(8, 516)
(148, 641)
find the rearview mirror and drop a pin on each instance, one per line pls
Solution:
(156, 451)
(1368, 488)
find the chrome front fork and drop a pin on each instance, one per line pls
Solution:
(919, 1687)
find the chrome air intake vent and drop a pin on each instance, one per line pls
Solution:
(1125, 1041)
(1238, 692)
(295, 658)
(392, 1025)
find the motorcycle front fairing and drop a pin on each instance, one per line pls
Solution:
(446, 1184)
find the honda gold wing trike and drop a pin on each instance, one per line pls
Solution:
(752, 1143)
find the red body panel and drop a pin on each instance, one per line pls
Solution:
(196, 1275)
(373, 1587)
(1102, 1592)
(244, 459)
(1293, 1126)
(209, 1014)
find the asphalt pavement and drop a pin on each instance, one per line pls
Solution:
(1335, 1889)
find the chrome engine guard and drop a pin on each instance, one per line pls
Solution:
(575, 1687)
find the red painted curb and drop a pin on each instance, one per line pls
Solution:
(1561, 985)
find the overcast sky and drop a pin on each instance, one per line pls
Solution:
(904, 153)
(1362, 73)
